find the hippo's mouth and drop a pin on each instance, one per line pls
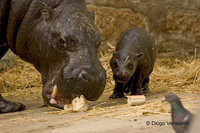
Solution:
(120, 80)
(57, 99)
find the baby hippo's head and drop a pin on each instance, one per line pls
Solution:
(124, 64)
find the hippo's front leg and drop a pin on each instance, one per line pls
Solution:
(3, 48)
(136, 85)
(7, 106)
(118, 91)
(145, 85)
(141, 82)
(130, 85)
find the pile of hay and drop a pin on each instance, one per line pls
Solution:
(22, 75)
(169, 75)
(176, 75)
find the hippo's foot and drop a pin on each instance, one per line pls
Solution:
(127, 90)
(7, 106)
(116, 95)
(137, 92)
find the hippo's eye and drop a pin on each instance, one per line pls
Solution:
(62, 41)
(66, 44)
(61, 45)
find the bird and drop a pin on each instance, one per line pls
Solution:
(181, 118)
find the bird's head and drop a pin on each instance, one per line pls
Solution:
(171, 97)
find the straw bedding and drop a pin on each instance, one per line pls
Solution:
(169, 75)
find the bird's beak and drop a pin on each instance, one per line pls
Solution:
(164, 100)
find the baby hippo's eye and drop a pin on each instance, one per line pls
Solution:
(131, 65)
(115, 64)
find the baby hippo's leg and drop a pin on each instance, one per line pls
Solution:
(3, 48)
(130, 85)
(118, 91)
(136, 86)
(145, 85)
(126, 88)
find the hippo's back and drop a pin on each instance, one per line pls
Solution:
(147, 43)
(137, 40)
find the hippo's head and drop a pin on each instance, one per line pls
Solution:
(124, 64)
(67, 42)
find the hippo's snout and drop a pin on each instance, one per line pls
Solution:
(89, 82)
(121, 77)
(73, 82)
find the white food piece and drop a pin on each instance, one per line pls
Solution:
(80, 104)
(136, 100)
(77, 105)
(68, 107)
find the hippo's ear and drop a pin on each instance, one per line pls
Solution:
(93, 14)
(46, 11)
(140, 56)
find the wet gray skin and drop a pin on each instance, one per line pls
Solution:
(60, 39)
(132, 62)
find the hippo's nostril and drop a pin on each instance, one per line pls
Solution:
(116, 74)
(82, 75)
(122, 74)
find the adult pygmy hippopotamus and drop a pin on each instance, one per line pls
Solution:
(132, 62)
(60, 39)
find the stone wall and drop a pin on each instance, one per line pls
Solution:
(175, 24)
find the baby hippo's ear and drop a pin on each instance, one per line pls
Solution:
(140, 55)
(93, 14)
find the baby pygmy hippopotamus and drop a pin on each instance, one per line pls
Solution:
(132, 62)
